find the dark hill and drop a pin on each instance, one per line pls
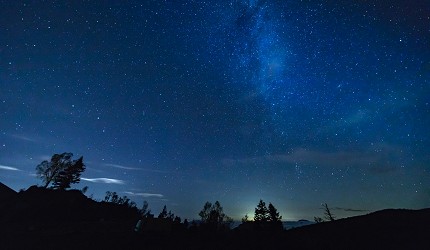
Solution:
(6, 192)
(38, 205)
(385, 229)
(41, 218)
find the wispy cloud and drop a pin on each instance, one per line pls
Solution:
(146, 195)
(104, 180)
(121, 167)
(379, 158)
(311, 157)
(156, 170)
(350, 209)
(138, 169)
(23, 138)
(3, 167)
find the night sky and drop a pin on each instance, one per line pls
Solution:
(181, 102)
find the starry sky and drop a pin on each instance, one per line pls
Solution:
(177, 103)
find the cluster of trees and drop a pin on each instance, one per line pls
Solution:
(166, 221)
(145, 213)
(169, 215)
(265, 217)
(266, 214)
(213, 217)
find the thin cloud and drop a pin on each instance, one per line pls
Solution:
(379, 158)
(339, 158)
(3, 167)
(23, 138)
(350, 209)
(139, 169)
(145, 195)
(156, 171)
(104, 180)
(121, 167)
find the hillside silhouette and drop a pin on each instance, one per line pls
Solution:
(6, 192)
(40, 218)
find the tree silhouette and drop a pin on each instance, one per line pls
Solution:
(145, 212)
(214, 216)
(261, 212)
(171, 215)
(177, 219)
(328, 215)
(318, 219)
(47, 171)
(204, 213)
(273, 214)
(163, 213)
(245, 218)
(71, 174)
(267, 219)
(61, 171)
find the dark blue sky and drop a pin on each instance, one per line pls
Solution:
(183, 102)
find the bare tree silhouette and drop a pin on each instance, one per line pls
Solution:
(328, 214)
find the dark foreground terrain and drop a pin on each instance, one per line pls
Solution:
(50, 219)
